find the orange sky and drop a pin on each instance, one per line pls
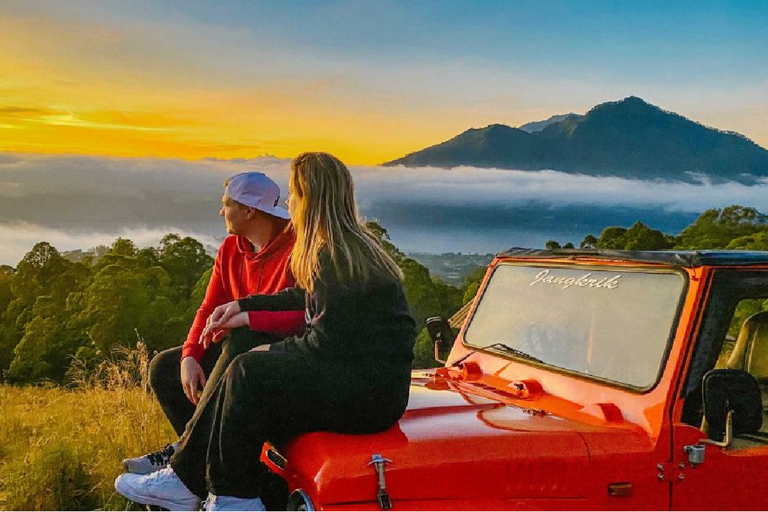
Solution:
(90, 89)
(85, 78)
(47, 109)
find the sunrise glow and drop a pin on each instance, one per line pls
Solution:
(188, 81)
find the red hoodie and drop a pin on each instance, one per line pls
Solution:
(239, 272)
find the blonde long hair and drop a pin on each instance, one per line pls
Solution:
(324, 215)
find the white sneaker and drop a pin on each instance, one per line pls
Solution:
(151, 462)
(161, 488)
(226, 503)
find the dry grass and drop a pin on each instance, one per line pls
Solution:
(60, 448)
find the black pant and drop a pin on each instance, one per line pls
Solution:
(165, 373)
(277, 395)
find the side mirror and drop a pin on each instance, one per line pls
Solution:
(732, 404)
(441, 334)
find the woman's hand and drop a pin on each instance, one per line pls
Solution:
(210, 334)
(226, 316)
(223, 313)
(214, 336)
(238, 320)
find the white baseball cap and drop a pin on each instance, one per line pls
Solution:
(256, 190)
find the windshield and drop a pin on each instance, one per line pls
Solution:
(605, 323)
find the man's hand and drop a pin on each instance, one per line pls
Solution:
(192, 378)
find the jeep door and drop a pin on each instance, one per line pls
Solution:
(732, 337)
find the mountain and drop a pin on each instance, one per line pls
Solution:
(628, 138)
(537, 126)
(496, 145)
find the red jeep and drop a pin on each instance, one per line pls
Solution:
(579, 380)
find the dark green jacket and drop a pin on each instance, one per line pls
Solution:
(349, 321)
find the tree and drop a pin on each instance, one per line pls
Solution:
(589, 242)
(29, 361)
(638, 237)
(121, 299)
(472, 284)
(47, 345)
(383, 238)
(427, 296)
(552, 245)
(48, 337)
(642, 238)
(42, 273)
(755, 242)
(613, 237)
(35, 271)
(185, 261)
(58, 308)
(123, 247)
(715, 229)
(6, 296)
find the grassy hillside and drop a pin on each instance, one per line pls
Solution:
(60, 448)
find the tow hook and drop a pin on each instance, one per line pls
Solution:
(378, 463)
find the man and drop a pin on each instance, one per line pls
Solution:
(253, 259)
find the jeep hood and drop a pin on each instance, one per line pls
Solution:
(447, 445)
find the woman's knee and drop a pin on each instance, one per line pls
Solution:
(252, 370)
(239, 366)
(242, 339)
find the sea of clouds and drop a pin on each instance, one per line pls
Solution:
(77, 202)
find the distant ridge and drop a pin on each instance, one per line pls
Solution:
(537, 126)
(628, 138)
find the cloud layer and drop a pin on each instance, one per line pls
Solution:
(17, 238)
(183, 181)
(85, 200)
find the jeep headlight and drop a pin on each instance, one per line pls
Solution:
(299, 500)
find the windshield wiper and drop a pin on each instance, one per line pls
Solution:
(515, 352)
(499, 346)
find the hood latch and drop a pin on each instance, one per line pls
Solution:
(378, 462)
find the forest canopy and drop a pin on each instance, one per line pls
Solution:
(57, 308)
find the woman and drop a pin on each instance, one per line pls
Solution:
(348, 373)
